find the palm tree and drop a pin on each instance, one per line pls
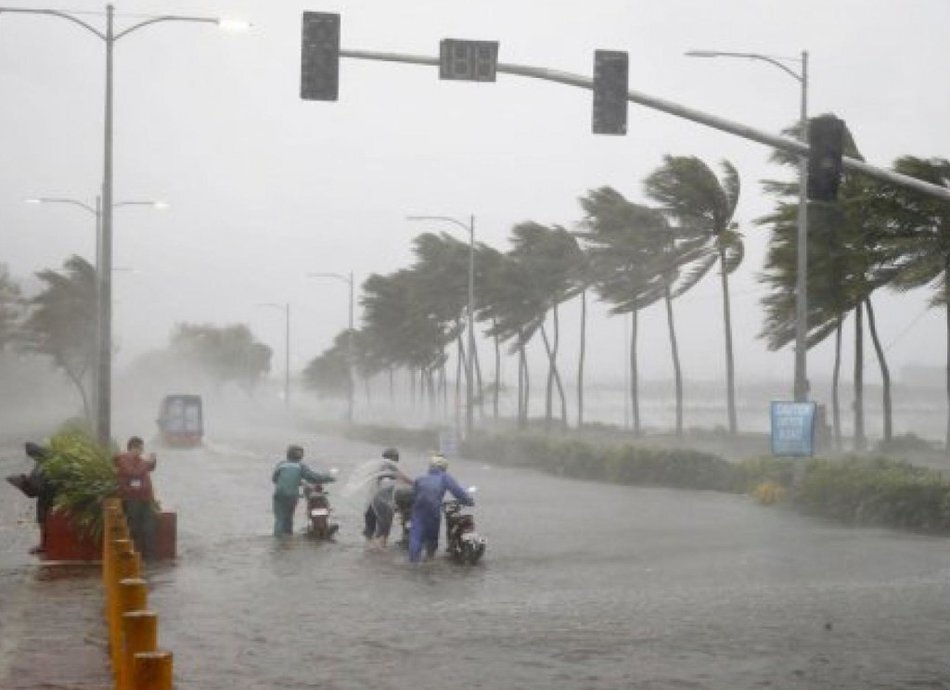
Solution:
(10, 307)
(847, 262)
(550, 255)
(918, 237)
(62, 321)
(622, 241)
(691, 194)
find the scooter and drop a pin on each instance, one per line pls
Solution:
(402, 503)
(464, 544)
(319, 525)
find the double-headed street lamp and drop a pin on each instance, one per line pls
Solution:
(801, 283)
(286, 309)
(109, 37)
(469, 361)
(348, 279)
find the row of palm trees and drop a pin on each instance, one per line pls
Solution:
(633, 256)
(629, 254)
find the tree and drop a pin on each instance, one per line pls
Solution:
(225, 353)
(551, 256)
(62, 322)
(918, 237)
(691, 194)
(329, 374)
(848, 259)
(11, 303)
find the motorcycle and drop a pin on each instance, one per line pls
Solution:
(402, 505)
(464, 544)
(317, 500)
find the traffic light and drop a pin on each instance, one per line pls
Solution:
(468, 60)
(610, 92)
(320, 57)
(825, 147)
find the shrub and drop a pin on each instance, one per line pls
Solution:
(83, 474)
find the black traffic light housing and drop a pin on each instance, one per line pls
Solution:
(610, 92)
(320, 57)
(825, 149)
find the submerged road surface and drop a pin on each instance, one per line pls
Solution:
(583, 585)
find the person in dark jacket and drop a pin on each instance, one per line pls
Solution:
(44, 488)
(286, 477)
(429, 490)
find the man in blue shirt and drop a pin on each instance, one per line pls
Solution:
(429, 490)
(287, 477)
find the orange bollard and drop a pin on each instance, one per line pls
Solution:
(127, 565)
(140, 634)
(132, 596)
(152, 671)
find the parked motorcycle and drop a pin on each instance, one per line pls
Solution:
(319, 524)
(464, 544)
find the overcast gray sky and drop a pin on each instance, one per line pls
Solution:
(264, 187)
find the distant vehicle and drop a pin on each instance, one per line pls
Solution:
(180, 420)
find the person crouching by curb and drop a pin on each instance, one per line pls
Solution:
(287, 477)
(133, 471)
(429, 490)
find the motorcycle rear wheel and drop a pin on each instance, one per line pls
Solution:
(471, 553)
(319, 527)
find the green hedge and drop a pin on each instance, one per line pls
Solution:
(859, 491)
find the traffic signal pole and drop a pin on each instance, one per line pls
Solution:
(791, 146)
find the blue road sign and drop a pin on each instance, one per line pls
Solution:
(793, 428)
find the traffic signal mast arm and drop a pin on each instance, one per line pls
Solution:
(782, 143)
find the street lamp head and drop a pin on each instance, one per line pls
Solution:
(33, 201)
(702, 53)
(232, 25)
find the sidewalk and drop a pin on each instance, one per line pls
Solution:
(52, 630)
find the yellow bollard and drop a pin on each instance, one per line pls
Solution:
(140, 634)
(127, 565)
(152, 671)
(132, 596)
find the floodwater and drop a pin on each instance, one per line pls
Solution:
(584, 585)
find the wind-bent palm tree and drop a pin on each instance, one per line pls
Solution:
(847, 262)
(623, 241)
(696, 199)
(62, 321)
(918, 237)
(550, 255)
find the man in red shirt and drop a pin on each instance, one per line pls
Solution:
(133, 471)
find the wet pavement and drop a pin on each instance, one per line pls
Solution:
(583, 585)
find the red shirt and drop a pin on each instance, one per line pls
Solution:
(132, 471)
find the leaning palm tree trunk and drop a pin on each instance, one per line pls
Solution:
(860, 442)
(730, 362)
(479, 397)
(677, 373)
(554, 377)
(946, 298)
(885, 372)
(580, 361)
(836, 375)
(634, 373)
(497, 375)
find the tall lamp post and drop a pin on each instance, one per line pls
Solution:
(801, 282)
(348, 279)
(109, 37)
(469, 361)
(286, 309)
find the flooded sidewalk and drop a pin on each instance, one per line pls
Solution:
(52, 630)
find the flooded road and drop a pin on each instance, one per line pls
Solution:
(583, 586)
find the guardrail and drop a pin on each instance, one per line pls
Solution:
(137, 663)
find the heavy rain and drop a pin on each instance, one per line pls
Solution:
(655, 291)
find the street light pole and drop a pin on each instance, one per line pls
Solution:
(109, 37)
(470, 360)
(350, 359)
(801, 272)
(286, 309)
